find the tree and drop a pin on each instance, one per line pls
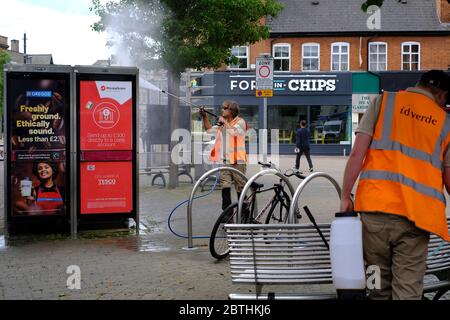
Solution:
(180, 34)
(4, 58)
(369, 3)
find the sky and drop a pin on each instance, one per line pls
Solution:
(57, 27)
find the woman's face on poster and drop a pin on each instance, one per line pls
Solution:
(45, 171)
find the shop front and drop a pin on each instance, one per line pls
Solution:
(365, 87)
(323, 100)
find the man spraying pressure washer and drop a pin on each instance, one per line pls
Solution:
(229, 151)
(402, 152)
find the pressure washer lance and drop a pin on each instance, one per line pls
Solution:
(194, 105)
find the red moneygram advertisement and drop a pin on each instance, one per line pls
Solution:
(106, 187)
(106, 116)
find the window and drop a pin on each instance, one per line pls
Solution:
(240, 52)
(327, 124)
(340, 56)
(285, 118)
(410, 56)
(250, 114)
(310, 57)
(378, 56)
(282, 57)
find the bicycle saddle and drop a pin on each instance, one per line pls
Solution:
(256, 185)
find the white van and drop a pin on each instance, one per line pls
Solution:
(332, 131)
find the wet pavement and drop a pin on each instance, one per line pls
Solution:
(118, 263)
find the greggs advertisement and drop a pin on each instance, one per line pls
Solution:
(37, 144)
(106, 116)
(106, 187)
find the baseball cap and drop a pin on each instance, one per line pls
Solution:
(436, 78)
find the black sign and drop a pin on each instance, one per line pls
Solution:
(244, 83)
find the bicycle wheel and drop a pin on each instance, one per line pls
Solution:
(275, 216)
(218, 245)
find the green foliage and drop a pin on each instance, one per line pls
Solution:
(4, 58)
(369, 3)
(180, 34)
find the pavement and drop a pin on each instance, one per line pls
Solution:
(152, 263)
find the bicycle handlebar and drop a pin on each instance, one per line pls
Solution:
(297, 174)
(271, 165)
(266, 165)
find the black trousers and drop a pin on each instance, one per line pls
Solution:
(308, 157)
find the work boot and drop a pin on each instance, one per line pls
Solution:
(226, 198)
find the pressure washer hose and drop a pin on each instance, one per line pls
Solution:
(185, 201)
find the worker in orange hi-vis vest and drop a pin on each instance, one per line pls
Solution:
(401, 155)
(232, 153)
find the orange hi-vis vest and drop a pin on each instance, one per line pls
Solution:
(234, 144)
(402, 172)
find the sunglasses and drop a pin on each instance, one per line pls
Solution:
(225, 108)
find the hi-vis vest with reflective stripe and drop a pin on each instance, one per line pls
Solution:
(235, 144)
(403, 170)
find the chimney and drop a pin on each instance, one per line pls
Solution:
(3, 42)
(443, 10)
(15, 45)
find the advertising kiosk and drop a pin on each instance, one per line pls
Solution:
(106, 112)
(37, 145)
(70, 145)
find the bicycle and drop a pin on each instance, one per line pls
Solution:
(218, 245)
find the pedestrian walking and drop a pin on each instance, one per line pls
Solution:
(302, 145)
(231, 154)
(401, 157)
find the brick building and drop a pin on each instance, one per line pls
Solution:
(329, 35)
(314, 42)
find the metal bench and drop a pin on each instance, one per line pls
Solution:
(156, 163)
(158, 173)
(295, 254)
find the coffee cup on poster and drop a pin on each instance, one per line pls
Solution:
(25, 187)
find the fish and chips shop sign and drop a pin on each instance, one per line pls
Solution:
(360, 102)
(291, 84)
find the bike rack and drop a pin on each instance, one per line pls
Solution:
(194, 189)
(252, 179)
(293, 208)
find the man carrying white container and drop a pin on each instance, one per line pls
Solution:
(402, 152)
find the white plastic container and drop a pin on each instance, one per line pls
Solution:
(346, 252)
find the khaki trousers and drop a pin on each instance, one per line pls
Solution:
(227, 178)
(399, 249)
